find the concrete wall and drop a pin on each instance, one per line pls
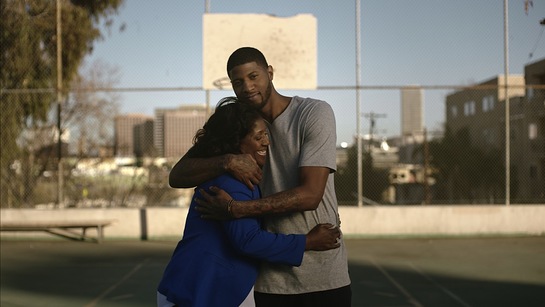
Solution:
(443, 220)
(168, 223)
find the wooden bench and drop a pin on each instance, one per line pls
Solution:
(65, 229)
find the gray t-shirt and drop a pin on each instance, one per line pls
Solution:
(303, 135)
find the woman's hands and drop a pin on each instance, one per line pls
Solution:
(323, 237)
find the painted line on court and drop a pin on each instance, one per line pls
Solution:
(114, 286)
(441, 287)
(405, 292)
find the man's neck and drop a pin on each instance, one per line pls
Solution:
(275, 107)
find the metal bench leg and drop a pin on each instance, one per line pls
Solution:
(100, 233)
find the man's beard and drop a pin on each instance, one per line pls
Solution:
(266, 97)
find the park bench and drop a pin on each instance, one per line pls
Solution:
(65, 229)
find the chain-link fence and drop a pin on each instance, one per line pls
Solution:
(460, 163)
(88, 151)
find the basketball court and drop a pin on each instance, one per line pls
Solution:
(506, 271)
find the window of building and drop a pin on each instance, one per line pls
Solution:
(532, 131)
(488, 103)
(454, 111)
(469, 108)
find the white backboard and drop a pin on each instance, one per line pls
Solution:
(288, 43)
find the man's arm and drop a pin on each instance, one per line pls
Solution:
(306, 196)
(189, 172)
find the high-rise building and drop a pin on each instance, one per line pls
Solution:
(175, 128)
(124, 133)
(143, 139)
(412, 111)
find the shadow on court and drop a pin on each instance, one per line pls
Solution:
(408, 288)
(384, 272)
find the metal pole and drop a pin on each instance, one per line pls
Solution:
(507, 117)
(358, 112)
(206, 11)
(427, 191)
(60, 175)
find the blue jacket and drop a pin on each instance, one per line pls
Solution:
(216, 263)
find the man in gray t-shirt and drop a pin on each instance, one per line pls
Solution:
(297, 185)
(302, 136)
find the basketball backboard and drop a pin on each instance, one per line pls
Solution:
(288, 43)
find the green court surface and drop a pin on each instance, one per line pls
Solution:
(504, 271)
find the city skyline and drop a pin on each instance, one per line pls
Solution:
(168, 134)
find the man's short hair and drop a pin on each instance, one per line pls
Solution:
(246, 55)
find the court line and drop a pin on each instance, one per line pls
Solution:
(441, 287)
(405, 292)
(114, 286)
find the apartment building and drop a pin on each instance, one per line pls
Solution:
(529, 149)
(481, 109)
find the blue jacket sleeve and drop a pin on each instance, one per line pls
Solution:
(247, 237)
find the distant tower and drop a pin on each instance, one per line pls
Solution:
(412, 111)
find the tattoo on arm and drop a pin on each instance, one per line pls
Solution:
(280, 203)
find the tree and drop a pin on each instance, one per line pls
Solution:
(375, 181)
(28, 61)
(466, 172)
(90, 109)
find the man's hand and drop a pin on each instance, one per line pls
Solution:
(244, 168)
(214, 206)
(323, 237)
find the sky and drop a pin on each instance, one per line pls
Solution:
(412, 42)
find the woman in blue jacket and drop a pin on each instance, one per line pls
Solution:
(216, 263)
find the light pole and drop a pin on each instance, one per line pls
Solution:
(358, 124)
(507, 119)
(206, 11)
(60, 169)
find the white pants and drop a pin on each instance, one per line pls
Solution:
(162, 301)
(248, 301)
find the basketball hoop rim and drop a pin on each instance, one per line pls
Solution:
(221, 83)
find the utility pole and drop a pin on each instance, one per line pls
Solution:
(372, 119)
